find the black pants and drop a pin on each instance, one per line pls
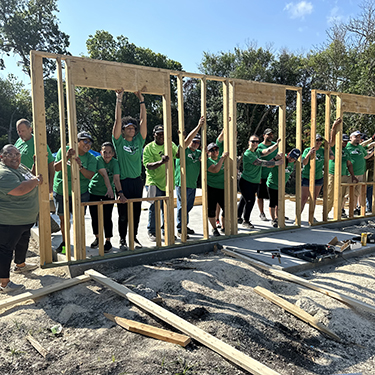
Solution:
(132, 188)
(13, 237)
(107, 215)
(214, 197)
(240, 207)
(248, 191)
(274, 197)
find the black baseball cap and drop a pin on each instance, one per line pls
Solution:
(345, 138)
(268, 131)
(295, 153)
(158, 129)
(84, 135)
(197, 138)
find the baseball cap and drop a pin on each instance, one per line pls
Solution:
(345, 138)
(295, 153)
(129, 124)
(197, 138)
(158, 129)
(318, 136)
(268, 131)
(354, 134)
(211, 146)
(84, 135)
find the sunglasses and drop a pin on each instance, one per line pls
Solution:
(319, 140)
(86, 142)
(196, 142)
(253, 141)
(214, 150)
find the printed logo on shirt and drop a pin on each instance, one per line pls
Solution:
(131, 149)
(195, 159)
(289, 169)
(318, 157)
(356, 152)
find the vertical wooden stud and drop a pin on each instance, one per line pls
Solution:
(232, 208)
(157, 223)
(227, 174)
(131, 225)
(299, 162)
(100, 228)
(337, 190)
(351, 201)
(181, 128)
(363, 200)
(64, 171)
(312, 161)
(83, 233)
(281, 187)
(204, 160)
(326, 154)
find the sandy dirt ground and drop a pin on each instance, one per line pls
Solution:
(213, 292)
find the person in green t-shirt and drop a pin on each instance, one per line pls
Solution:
(273, 182)
(101, 188)
(154, 161)
(87, 169)
(318, 153)
(128, 145)
(262, 189)
(19, 208)
(252, 173)
(358, 155)
(193, 168)
(25, 143)
(347, 173)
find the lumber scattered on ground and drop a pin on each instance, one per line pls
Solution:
(147, 330)
(352, 302)
(11, 301)
(295, 310)
(39, 348)
(189, 329)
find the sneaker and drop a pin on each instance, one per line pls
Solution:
(218, 225)
(263, 217)
(343, 214)
(357, 211)
(240, 220)
(151, 237)
(286, 218)
(215, 233)
(248, 225)
(11, 287)
(61, 247)
(107, 246)
(123, 245)
(95, 244)
(179, 234)
(137, 244)
(189, 231)
(26, 268)
(274, 223)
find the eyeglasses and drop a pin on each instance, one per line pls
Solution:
(254, 141)
(86, 142)
(196, 141)
(12, 155)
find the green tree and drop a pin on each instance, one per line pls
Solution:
(27, 25)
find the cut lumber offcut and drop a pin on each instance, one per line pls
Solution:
(11, 301)
(352, 302)
(220, 347)
(39, 348)
(147, 330)
(295, 310)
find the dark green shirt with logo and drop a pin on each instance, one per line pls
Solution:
(97, 184)
(193, 168)
(319, 164)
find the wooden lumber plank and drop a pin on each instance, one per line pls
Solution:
(83, 233)
(40, 141)
(206, 233)
(295, 310)
(131, 225)
(337, 191)
(225, 350)
(259, 93)
(351, 201)
(227, 174)
(298, 162)
(101, 229)
(157, 223)
(150, 331)
(36, 345)
(103, 75)
(64, 171)
(282, 148)
(312, 161)
(358, 103)
(327, 133)
(181, 129)
(37, 293)
(352, 302)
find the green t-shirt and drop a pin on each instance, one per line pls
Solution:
(344, 167)
(261, 147)
(88, 162)
(273, 177)
(152, 153)
(97, 184)
(193, 168)
(129, 155)
(27, 151)
(319, 164)
(357, 156)
(16, 210)
(251, 173)
(215, 180)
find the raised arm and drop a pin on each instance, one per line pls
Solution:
(142, 115)
(193, 133)
(116, 130)
(220, 138)
(271, 148)
(332, 139)
(307, 158)
(215, 168)
(268, 163)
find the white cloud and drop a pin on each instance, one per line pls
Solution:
(335, 16)
(299, 10)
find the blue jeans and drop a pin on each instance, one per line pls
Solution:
(190, 196)
(151, 211)
(369, 198)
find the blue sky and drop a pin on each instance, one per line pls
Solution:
(184, 30)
